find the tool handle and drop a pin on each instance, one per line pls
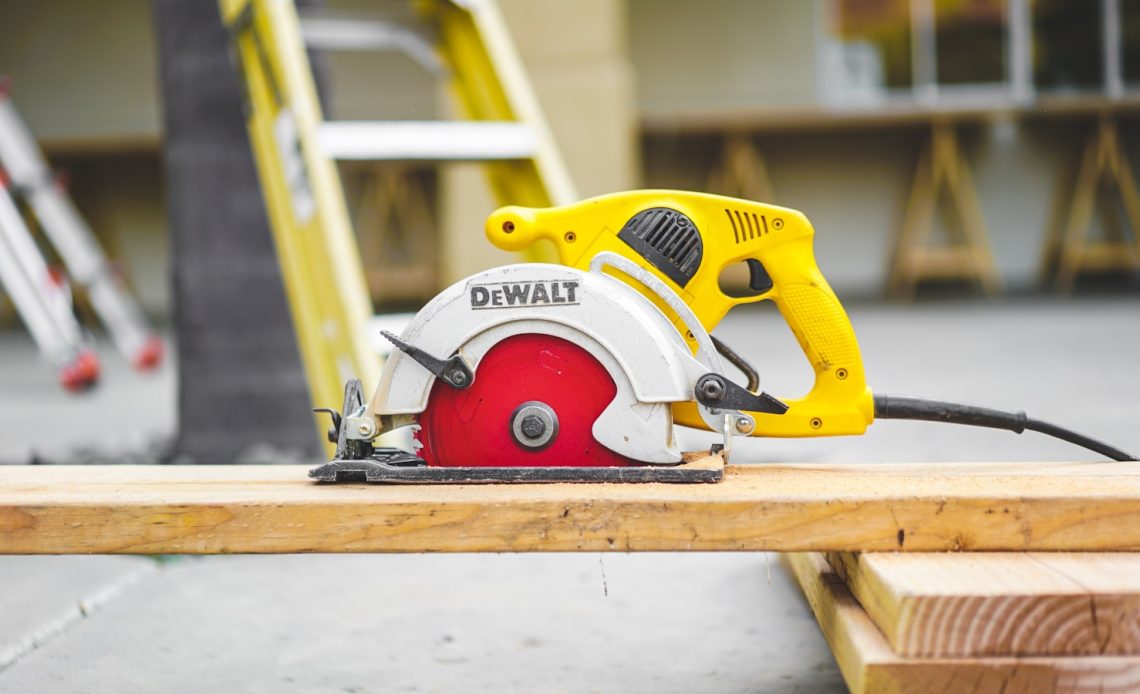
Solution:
(839, 401)
(777, 242)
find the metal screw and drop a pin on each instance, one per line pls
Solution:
(712, 389)
(364, 429)
(745, 425)
(458, 377)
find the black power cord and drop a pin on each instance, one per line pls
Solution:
(905, 407)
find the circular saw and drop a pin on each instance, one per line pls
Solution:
(540, 372)
(578, 372)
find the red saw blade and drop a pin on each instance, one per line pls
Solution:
(480, 426)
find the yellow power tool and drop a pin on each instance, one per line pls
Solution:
(578, 372)
(689, 240)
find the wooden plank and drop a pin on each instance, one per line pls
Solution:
(892, 116)
(943, 262)
(935, 605)
(1108, 255)
(869, 665)
(223, 509)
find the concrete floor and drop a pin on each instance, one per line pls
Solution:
(584, 622)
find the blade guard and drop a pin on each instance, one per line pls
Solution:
(648, 360)
(731, 231)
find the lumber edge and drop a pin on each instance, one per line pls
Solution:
(868, 664)
(998, 603)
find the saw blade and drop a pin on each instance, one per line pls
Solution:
(533, 404)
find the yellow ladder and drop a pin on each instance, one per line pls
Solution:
(296, 152)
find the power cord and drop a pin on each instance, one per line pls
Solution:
(906, 407)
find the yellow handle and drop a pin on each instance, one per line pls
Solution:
(732, 231)
(839, 401)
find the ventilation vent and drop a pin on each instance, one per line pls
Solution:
(749, 225)
(668, 240)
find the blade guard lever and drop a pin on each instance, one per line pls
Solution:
(716, 391)
(454, 371)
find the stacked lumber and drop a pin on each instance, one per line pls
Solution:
(978, 622)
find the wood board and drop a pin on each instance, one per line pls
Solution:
(276, 509)
(869, 664)
(999, 603)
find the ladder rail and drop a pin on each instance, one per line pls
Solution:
(73, 239)
(519, 94)
(295, 153)
(489, 81)
(321, 266)
(41, 302)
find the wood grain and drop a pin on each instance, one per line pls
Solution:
(869, 665)
(273, 509)
(999, 603)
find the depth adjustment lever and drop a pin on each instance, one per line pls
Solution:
(454, 371)
(717, 392)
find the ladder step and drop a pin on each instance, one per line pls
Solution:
(426, 140)
(334, 33)
(337, 33)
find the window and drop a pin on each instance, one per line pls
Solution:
(1067, 54)
(869, 53)
(1130, 40)
(939, 51)
(970, 41)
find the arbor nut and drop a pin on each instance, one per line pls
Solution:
(534, 425)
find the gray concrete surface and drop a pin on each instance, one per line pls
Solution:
(127, 411)
(41, 597)
(700, 622)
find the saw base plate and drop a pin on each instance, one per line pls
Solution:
(402, 468)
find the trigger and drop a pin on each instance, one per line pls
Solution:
(758, 279)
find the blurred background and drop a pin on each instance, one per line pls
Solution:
(641, 93)
(968, 166)
(833, 107)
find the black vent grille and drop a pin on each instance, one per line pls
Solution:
(747, 225)
(668, 240)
